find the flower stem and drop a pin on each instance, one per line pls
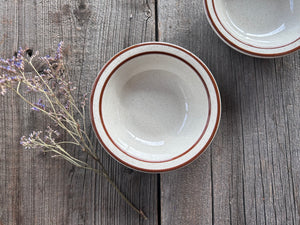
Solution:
(60, 106)
(113, 184)
(104, 173)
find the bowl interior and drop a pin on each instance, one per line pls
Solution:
(155, 107)
(262, 23)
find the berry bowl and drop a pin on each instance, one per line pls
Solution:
(155, 107)
(259, 28)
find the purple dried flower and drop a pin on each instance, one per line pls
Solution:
(49, 130)
(18, 64)
(35, 109)
(58, 54)
(39, 105)
(49, 136)
(83, 103)
(13, 65)
(3, 90)
(56, 133)
(20, 53)
(8, 69)
(29, 142)
(25, 142)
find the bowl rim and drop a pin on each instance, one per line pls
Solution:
(215, 88)
(240, 45)
(101, 101)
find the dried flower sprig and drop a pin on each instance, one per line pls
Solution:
(51, 82)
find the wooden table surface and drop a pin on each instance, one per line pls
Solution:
(249, 175)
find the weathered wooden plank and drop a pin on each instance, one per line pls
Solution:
(33, 188)
(186, 193)
(250, 174)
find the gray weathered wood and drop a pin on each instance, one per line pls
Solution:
(35, 189)
(251, 172)
(249, 175)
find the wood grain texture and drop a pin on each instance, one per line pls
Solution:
(35, 189)
(250, 173)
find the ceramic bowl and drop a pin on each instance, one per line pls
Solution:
(260, 28)
(155, 107)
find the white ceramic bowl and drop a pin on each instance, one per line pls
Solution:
(260, 28)
(155, 107)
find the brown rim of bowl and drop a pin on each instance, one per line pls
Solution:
(215, 88)
(276, 47)
(240, 48)
(146, 53)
